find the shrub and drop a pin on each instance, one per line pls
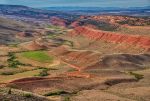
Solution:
(27, 95)
(12, 62)
(67, 98)
(59, 92)
(12, 71)
(44, 72)
(7, 73)
(2, 66)
(67, 42)
(9, 91)
(39, 67)
(137, 76)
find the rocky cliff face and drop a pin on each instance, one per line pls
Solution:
(141, 41)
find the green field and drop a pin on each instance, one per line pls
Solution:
(40, 56)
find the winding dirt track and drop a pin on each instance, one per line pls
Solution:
(73, 66)
(77, 73)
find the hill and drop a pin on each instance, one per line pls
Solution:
(9, 28)
(33, 14)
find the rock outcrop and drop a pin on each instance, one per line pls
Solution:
(138, 40)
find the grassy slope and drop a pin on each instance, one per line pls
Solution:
(40, 56)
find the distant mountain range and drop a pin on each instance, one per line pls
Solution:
(133, 11)
(94, 8)
(69, 13)
(18, 11)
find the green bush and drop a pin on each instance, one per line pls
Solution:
(66, 98)
(137, 76)
(27, 95)
(12, 71)
(67, 42)
(12, 61)
(13, 64)
(9, 91)
(39, 67)
(44, 72)
(2, 66)
(7, 73)
(59, 92)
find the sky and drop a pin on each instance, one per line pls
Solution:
(80, 3)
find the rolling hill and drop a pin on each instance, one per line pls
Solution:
(9, 28)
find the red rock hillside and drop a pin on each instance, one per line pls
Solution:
(142, 41)
(58, 22)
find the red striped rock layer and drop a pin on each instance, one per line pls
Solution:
(141, 41)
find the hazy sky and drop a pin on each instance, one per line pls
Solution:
(85, 3)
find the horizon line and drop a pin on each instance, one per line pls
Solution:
(75, 6)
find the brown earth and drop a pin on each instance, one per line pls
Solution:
(67, 83)
(96, 95)
(58, 22)
(37, 44)
(32, 46)
(83, 59)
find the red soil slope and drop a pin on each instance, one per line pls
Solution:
(58, 22)
(141, 41)
(33, 46)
